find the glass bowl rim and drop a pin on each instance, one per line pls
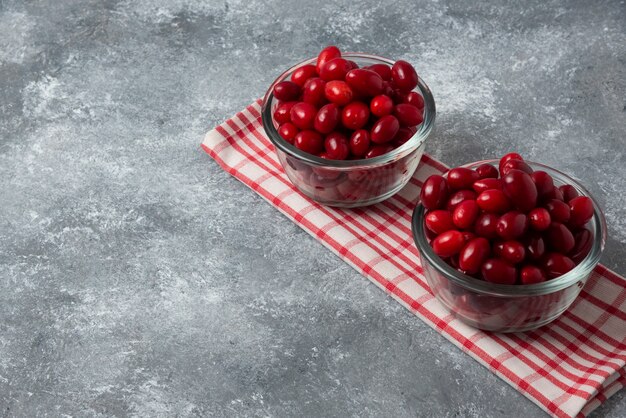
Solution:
(409, 146)
(516, 290)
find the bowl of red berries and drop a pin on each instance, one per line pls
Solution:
(507, 245)
(349, 129)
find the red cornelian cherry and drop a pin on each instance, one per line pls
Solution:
(481, 185)
(302, 74)
(338, 92)
(360, 142)
(309, 141)
(507, 157)
(515, 165)
(286, 91)
(365, 82)
(288, 131)
(282, 112)
(530, 274)
(584, 241)
(555, 194)
(434, 193)
(487, 171)
(465, 214)
(355, 115)
(512, 225)
(383, 70)
(439, 221)
(559, 238)
(581, 211)
(559, 211)
(485, 225)
(403, 135)
(543, 182)
(520, 189)
(385, 129)
(327, 118)
(336, 146)
(408, 115)
(473, 255)
(535, 247)
(493, 200)
(329, 53)
(513, 252)
(303, 115)
(378, 150)
(458, 197)
(461, 178)
(555, 265)
(448, 244)
(335, 69)
(539, 219)
(404, 76)
(568, 191)
(313, 92)
(498, 271)
(381, 105)
(415, 99)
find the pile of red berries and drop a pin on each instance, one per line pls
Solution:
(508, 226)
(338, 111)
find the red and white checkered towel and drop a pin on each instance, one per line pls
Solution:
(568, 367)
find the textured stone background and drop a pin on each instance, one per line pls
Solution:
(138, 278)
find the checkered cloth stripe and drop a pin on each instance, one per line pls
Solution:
(568, 367)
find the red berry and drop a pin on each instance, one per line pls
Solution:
(493, 200)
(544, 183)
(461, 178)
(327, 118)
(365, 82)
(381, 105)
(434, 193)
(559, 211)
(303, 115)
(458, 197)
(487, 171)
(335, 69)
(568, 191)
(495, 270)
(539, 219)
(581, 211)
(520, 189)
(360, 142)
(404, 76)
(473, 255)
(327, 54)
(309, 141)
(415, 99)
(487, 184)
(383, 70)
(512, 225)
(507, 157)
(338, 92)
(465, 214)
(288, 131)
(336, 146)
(408, 115)
(377, 151)
(515, 165)
(355, 115)
(555, 194)
(535, 247)
(513, 252)
(302, 74)
(403, 135)
(559, 238)
(485, 225)
(313, 92)
(584, 241)
(555, 265)
(448, 244)
(385, 129)
(439, 221)
(286, 91)
(530, 274)
(282, 113)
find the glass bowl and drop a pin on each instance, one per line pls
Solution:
(508, 308)
(349, 183)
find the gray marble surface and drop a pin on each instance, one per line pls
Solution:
(137, 278)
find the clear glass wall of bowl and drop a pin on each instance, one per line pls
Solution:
(508, 308)
(355, 182)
